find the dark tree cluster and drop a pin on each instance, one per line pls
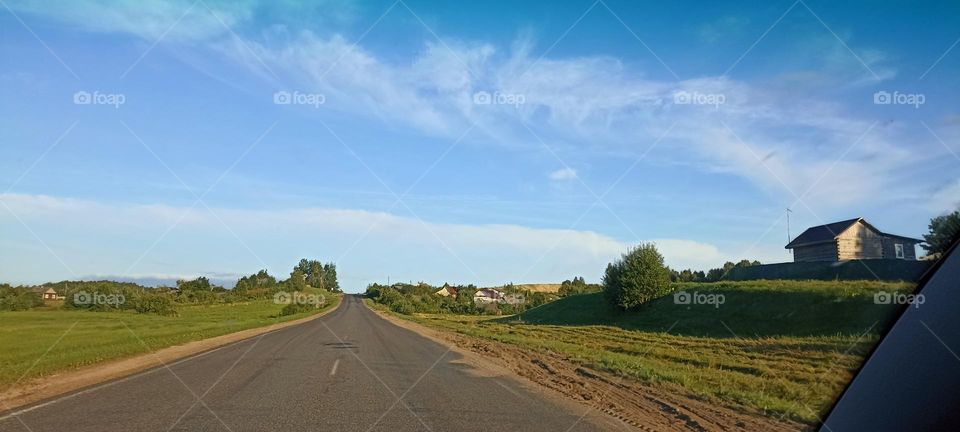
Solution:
(577, 286)
(712, 275)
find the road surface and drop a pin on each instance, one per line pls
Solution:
(350, 370)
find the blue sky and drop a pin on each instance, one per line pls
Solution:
(693, 125)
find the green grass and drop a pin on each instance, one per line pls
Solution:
(784, 348)
(750, 308)
(80, 338)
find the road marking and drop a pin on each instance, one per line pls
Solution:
(333, 371)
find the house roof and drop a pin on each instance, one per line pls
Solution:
(42, 289)
(448, 289)
(829, 232)
(487, 292)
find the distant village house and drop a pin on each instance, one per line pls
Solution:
(487, 295)
(514, 299)
(446, 291)
(853, 239)
(47, 293)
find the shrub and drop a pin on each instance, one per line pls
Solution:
(636, 278)
(403, 306)
(156, 303)
(14, 299)
(294, 308)
(198, 297)
(101, 296)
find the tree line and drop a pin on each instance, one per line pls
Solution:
(421, 297)
(116, 296)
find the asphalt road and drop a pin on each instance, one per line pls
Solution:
(350, 370)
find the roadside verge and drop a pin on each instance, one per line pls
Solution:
(640, 405)
(68, 381)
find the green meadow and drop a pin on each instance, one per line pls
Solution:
(47, 340)
(783, 348)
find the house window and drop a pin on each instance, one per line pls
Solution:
(898, 248)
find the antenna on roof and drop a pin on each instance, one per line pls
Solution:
(788, 227)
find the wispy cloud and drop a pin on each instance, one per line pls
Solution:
(591, 103)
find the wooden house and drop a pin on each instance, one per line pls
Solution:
(853, 239)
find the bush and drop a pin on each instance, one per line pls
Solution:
(193, 296)
(636, 278)
(156, 303)
(101, 296)
(13, 299)
(294, 308)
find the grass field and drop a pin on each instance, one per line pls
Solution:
(784, 348)
(47, 340)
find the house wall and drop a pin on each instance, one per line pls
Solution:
(818, 252)
(859, 242)
(890, 252)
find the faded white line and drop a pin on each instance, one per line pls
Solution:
(505, 387)
(333, 370)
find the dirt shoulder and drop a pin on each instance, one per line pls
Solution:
(643, 406)
(68, 381)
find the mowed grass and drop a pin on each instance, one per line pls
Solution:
(783, 348)
(40, 342)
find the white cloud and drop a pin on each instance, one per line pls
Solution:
(403, 247)
(946, 199)
(563, 174)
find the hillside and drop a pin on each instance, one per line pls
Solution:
(780, 349)
(546, 288)
(751, 308)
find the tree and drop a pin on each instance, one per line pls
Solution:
(199, 284)
(315, 274)
(297, 281)
(261, 279)
(577, 286)
(330, 278)
(303, 266)
(636, 278)
(18, 298)
(944, 230)
(714, 275)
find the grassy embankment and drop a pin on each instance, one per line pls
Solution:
(93, 337)
(784, 348)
